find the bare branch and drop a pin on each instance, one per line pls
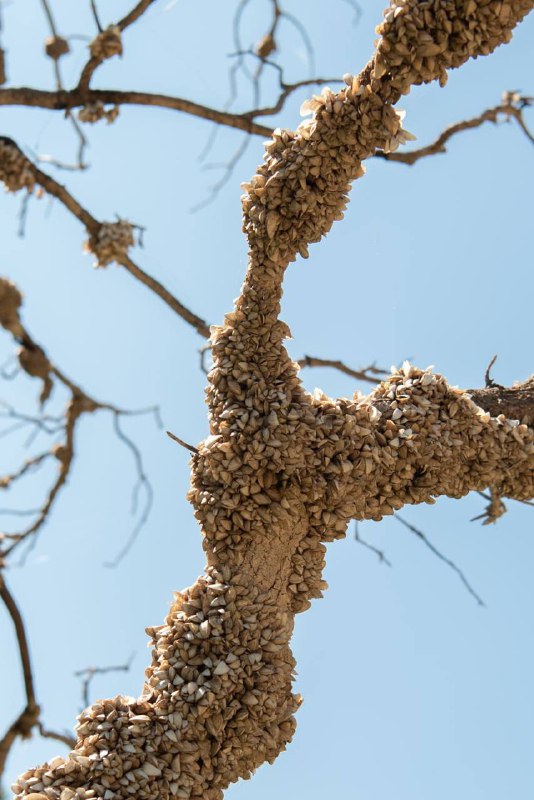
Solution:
(175, 438)
(511, 108)
(420, 535)
(27, 719)
(371, 374)
(67, 740)
(88, 673)
(76, 98)
(357, 538)
(96, 17)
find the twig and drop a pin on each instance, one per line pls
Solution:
(371, 374)
(28, 718)
(70, 741)
(228, 171)
(142, 482)
(489, 382)
(76, 98)
(95, 15)
(420, 535)
(88, 673)
(381, 555)
(511, 107)
(175, 438)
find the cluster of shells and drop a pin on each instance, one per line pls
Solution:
(110, 242)
(15, 172)
(283, 472)
(56, 47)
(216, 704)
(107, 44)
(10, 303)
(31, 358)
(94, 112)
(420, 41)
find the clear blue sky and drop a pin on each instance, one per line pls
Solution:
(411, 691)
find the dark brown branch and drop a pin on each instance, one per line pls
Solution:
(155, 286)
(76, 98)
(27, 719)
(133, 15)
(57, 190)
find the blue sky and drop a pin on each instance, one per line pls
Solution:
(411, 691)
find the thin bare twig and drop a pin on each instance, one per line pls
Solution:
(370, 374)
(420, 535)
(141, 483)
(379, 553)
(175, 438)
(27, 719)
(88, 673)
(67, 740)
(95, 15)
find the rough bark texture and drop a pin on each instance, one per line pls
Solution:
(283, 471)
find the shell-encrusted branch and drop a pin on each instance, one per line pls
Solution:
(283, 471)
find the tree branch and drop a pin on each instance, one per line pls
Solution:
(35, 363)
(511, 108)
(282, 472)
(28, 718)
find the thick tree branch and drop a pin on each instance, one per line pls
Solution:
(282, 472)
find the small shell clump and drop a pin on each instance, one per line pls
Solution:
(56, 47)
(107, 44)
(10, 302)
(15, 172)
(94, 112)
(111, 242)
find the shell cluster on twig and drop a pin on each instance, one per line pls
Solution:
(15, 172)
(110, 242)
(94, 112)
(10, 302)
(56, 47)
(107, 44)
